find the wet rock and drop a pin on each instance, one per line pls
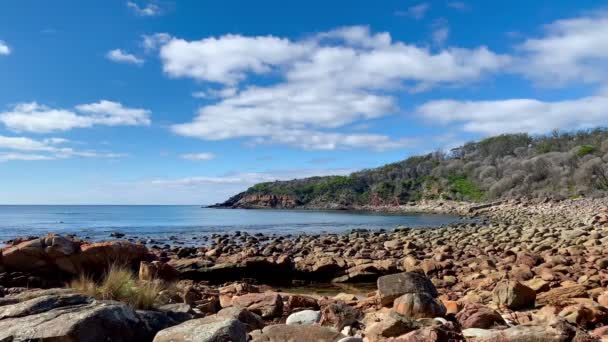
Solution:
(301, 301)
(392, 286)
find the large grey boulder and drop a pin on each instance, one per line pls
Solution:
(208, 329)
(392, 286)
(513, 295)
(70, 318)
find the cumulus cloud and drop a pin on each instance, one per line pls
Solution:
(120, 56)
(570, 50)
(27, 149)
(323, 82)
(152, 42)
(150, 10)
(518, 115)
(37, 118)
(4, 49)
(227, 59)
(198, 156)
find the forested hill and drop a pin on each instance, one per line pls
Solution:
(558, 165)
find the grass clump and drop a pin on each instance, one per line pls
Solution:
(120, 284)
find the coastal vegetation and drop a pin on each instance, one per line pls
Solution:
(558, 165)
(120, 284)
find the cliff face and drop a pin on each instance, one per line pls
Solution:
(262, 201)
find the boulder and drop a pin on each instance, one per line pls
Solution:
(46, 253)
(395, 285)
(339, 315)
(305, 317)
(297, 333)
(478, 316)
(419, 305)
(434, 333)
(267, 304)
(301, 301)
(208, 329)
(71, 317)
(157, 270)
(251, 320)
(513, 295)
(392, 326)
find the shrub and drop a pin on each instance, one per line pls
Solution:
(585, 150)
(120, 284)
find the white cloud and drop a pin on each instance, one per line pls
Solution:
(216, 93)
(518, 115)
(417, 11)
(120, 56)
(571, 50)
(227, 59)
(333, 79)
(27, 149)
(441, 31)
(458, 5)
(150, 10)
(198, 156)
(151, 42)
(36, 118)
(4, 49)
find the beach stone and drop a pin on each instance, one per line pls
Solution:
(267, 304)
(297, 333)
(478, 316)
(435, 333)
(306, 317)
(251, 320)
(418, 305)
(301, 301)
(339, 315)
(392, 286)
(555, 331)
(208, 329)
(391, 326)
(513, 295)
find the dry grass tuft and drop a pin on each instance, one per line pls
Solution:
(120, 284)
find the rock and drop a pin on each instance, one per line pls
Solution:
(306, 317)
(339, 315)
(297, 333)
(395, 285)
(267, 305)
(157, 270)
(435, 333)
(513, 295)
(72, 317)
(555, 331)
(560, 295)
(46, 253)
(208, 329)
(603, 299)
(479, 316)
(301, 301)
(97, 256)
(392, 326)
(251, 320)
(419, 305)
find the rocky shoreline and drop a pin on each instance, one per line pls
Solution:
(523, 271)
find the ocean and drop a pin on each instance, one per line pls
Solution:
(186, 224)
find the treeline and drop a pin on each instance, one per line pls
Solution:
(557, 165)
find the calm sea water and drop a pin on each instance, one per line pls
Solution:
(185, 222)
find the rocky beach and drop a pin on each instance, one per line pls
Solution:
(521, 271)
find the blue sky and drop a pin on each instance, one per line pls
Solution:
(188, 102)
